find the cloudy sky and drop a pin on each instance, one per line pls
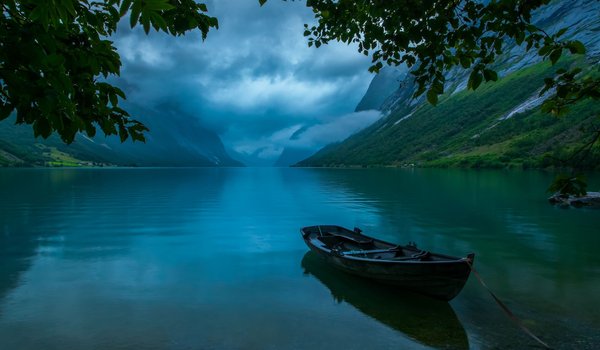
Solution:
(254, 81)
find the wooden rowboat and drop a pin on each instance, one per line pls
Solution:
(435, 275)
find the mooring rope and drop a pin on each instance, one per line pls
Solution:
(505, 308)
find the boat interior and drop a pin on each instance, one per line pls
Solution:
(352, 243)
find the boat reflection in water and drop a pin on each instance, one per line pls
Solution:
(430, 322)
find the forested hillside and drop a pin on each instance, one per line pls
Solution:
(484, 128)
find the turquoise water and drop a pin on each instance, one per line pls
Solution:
(212, 259)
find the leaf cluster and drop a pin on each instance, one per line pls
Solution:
(569, 185)
(433, 36)
(55, 57)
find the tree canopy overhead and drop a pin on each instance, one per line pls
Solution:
(434, 36)
(55, 54)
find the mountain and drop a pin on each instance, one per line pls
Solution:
(175, 139)
(383, 85)
(498, 125)
(291, 155)
(18, 147)
(254, 159)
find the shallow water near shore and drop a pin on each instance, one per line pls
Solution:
(213, 259)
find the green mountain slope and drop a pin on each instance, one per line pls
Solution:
(467, 129)
(18, 147)
(175, 139)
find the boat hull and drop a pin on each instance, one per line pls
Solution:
(438, 279)
(399, 310)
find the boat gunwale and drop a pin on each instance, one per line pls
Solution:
(321, 247)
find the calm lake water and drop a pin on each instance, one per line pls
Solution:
(213, 259)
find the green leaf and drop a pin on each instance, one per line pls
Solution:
(41, 127)
(262, 2)
(555, 55)
(156, 5)
(214, 22)
(5, 110)
(465, 62)
(90, 130)
(55, 60)
(520, 38)
(138, 136)
(119, 93)
(489, 74)
(125, 5)
(136, 10)
(576, 47)
(123, 134)
(498, 46)
(529, 45)
(569, 185)
(158, 21)
(474, 80)
(38, 13)
(432, 97)
(146, 26)
(544, 50)
(561, 32)
(70, 8)
(437, 87)
(137, 132)
(420, 91)
(114, 100)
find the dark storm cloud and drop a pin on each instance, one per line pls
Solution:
(251, 81)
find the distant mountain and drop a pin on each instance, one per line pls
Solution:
(175, 139)
(291, 156)
(254, 159)
(498, 125)
(382, 86)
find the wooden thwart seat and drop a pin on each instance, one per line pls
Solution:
(351, 237)
(358, 252)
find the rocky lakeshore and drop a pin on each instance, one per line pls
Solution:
(591, 199)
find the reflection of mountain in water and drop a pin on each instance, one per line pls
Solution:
(430, 322)
(94, 213)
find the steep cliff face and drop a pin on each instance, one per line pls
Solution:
(498, 125)
(381, 87)
(175, 139)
